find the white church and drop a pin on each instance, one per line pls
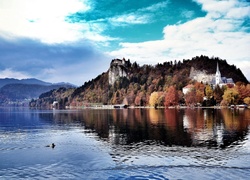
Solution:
(213, 79)
(221, 81)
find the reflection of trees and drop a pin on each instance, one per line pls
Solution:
(175, 132)
(215, 128)
(185, 127)
(129, 126)
(204, 125)
(235, 126)
(158, 126)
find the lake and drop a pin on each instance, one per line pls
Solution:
(125, 144)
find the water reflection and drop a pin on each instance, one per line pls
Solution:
(212, 128)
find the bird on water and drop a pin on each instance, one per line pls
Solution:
(52, 145)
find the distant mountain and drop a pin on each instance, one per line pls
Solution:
(64, 84)
(14, 91)
(132, 84)
(6, 81)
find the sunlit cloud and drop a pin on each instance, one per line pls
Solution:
(40, 19)
(223, 37)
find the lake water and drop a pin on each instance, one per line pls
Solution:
(125, 144)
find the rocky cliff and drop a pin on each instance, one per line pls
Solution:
(201, 75)
(118, 68)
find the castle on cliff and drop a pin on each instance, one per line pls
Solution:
(118, 68)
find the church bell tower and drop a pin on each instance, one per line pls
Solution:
(217, 75)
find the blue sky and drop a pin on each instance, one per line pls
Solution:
(75, 40)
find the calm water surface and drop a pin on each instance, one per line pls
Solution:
(125, 144)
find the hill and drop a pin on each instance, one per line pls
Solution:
(132, 84)
(6, 81)
(14, 91)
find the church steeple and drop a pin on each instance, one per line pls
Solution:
(217, 75)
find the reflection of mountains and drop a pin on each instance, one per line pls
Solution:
(190, 127)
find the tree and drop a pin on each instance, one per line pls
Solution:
(161, 98)
(125, 101)
(115, 98)
(199, 96)
(171, 97)
(247, 101)
(244, 92)
(209, 101)
(218, 93)
(138, 100)
(199, 91)
(190, 97)
(209, 91)
(153, 100)
(231, 96)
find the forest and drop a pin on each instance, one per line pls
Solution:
(158, 85)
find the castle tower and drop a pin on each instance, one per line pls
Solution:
(217, 75)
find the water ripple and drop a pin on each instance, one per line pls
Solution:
(56, 171)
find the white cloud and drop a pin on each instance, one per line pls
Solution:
(222, 37)
(239, 12)
(40, 19)
(141, 16)
(6, 73)
(131, 18)
(220, 6)
(156, 6)
(227, 8)
(187, 14)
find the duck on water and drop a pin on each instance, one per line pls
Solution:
(51, 145)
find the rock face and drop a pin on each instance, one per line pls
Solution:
(201, 76)
(118, 68)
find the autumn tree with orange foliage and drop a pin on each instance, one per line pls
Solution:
(244, 92)
(199, 87)
(171, 97)
(190, 97)
(140, 99)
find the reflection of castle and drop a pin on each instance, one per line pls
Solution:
(206, 130)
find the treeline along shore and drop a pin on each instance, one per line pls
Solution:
(200, 81)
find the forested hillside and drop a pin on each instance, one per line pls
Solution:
(141, 81)
(16, 94)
